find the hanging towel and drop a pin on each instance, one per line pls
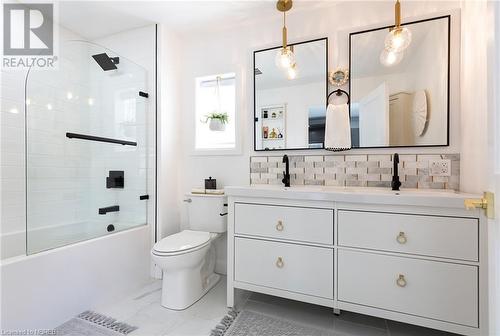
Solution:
(337, 128)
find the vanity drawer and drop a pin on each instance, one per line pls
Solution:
(294, 223)
(446, 237)
(438, 290)
(296, 268)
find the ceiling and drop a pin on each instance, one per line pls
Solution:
(95, 19)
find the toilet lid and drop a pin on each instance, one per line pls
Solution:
(182, 241)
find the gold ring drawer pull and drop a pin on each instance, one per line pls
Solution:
(401, 282)
(279, 226)
(401, 238)
(280, 263)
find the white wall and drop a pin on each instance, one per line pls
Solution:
(138, 46)
(480, 125)
(170, 113)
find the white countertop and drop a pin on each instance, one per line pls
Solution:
(415, 197)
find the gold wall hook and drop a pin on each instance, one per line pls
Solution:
(487, 202)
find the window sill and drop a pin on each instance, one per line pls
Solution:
(216, 152)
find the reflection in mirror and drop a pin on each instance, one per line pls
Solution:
(290, 104)
(400, 99)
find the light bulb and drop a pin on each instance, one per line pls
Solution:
(49, 107)
(69, 95)
(285, 58)
(398, 39)
(90, 101)
(292, 72)
(390, 58)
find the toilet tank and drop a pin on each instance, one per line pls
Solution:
(205, 211)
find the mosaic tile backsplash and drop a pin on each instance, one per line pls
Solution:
(356, 170)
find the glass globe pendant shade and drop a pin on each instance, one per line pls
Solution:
(292, 72)
(285, 58)
(390, 58)
(398, 39)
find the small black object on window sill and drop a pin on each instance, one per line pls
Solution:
(210, 183)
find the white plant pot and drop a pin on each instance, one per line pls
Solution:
(217, 125)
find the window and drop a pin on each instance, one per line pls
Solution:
(215, 117)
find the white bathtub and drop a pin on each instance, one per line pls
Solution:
(46, 238)
(43, 290)
(12, 244)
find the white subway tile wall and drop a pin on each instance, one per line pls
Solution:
(12, 186)
(372, 170)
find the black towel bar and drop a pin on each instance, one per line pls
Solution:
(100, 139)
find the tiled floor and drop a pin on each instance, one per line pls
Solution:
(143, 309)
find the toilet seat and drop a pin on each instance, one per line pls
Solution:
(180, 243)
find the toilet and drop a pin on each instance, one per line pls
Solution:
(187, 258)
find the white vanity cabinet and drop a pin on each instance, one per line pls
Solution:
(416, 257)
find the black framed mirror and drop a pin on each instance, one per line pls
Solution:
(290, 104)
(401, 99)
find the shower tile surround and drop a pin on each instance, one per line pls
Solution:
(355, 170)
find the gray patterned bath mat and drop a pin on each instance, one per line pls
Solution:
(250, 323)
(90, 323)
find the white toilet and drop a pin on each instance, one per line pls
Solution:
(187, 258)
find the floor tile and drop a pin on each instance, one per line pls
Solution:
(143, 309)
(403, 329)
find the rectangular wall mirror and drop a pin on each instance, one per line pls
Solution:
(401, 100)
(290, 104)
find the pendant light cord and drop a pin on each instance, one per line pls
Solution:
(397, 14)
(217, 93)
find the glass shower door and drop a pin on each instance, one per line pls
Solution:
(87, 150)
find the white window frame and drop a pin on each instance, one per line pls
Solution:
(237, 150)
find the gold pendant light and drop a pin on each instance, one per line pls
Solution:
(285, 57)
(399, 38)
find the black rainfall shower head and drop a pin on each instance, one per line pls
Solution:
(106, 62)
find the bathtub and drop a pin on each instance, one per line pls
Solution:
(46, 238)
(43, 290)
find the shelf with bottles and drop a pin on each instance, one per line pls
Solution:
(272, 133)
(272, 113)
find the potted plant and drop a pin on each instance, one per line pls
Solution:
(218, 121)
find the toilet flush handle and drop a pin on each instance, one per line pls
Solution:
(188, 200)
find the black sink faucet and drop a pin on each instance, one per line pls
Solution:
(286, 173)
(395, 184)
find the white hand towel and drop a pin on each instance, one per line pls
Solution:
(337, 128)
